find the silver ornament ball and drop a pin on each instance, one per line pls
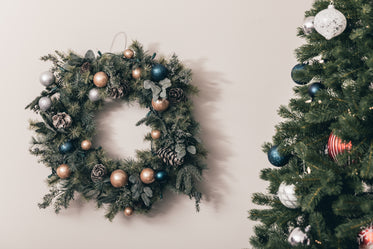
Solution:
(308, 26)
(286, 194)
(45, 103)
(47, 78)
(94, 95)
(298, 237)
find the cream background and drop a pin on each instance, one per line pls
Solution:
(241, 53)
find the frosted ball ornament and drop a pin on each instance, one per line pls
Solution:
(286, 194)
(308, 25)
(47, 78)
(45, 103)
(94, 95)
(298, 237)
(330, 22)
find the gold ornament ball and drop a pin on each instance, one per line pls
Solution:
(147, 175)
(63, 171)
(100, 79)
(128, 53)
(86, 144)
(155, 134)
(136, 73)
(160, 105)
(118, 178)
(128, 211)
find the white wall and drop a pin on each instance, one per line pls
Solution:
(241, 53)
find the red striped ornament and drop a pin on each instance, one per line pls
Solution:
(336, 146)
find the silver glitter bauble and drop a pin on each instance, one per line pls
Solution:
(298, 237)
(47, 78)
(308, 26)
(94, 95)
(286, 194)
(330, 22)
(45, 103)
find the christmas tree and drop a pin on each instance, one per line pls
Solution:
(320, 185)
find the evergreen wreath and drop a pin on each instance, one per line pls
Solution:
(76, 89)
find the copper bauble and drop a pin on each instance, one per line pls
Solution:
(128, 53)
(118, 178)
(160, 105)
(147, 175)
(155, 134)
(63, 171)
(128, 211)
(86, 145)
(100, 79)
(136, 73)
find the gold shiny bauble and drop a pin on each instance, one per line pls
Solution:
(147, 175)
(86, 144)
(100, 79)
(155, 134)
(136, 73)
(63, 171)
(128, 53)
(160, 105)
(118, 178)
(128, 211)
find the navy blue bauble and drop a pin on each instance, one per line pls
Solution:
(161, 176)
(66, 147)
(314, 88)
(275, 158)
(297, 68)
(159, 72)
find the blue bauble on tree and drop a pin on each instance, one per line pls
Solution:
(159, 72)
(296, 69)
(66, 147)
(275, 158)
(314, 88)
(161, 176)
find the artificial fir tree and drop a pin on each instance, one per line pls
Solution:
(320, 193)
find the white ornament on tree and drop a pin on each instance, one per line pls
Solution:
(330, 22)
(286, 194)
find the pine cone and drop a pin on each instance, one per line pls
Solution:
(85, 67)
(62, 120)
(118, 92)
(176, 95)
(169, 157)
(98, 172)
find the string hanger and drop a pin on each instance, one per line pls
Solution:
(115, 37)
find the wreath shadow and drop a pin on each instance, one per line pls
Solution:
(214, 187)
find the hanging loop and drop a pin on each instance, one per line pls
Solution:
(115, 37)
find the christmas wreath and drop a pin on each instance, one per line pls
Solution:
(76, 89)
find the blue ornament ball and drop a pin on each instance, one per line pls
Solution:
(314, 88)
(161, 176)
(66, 147)
(158, 72)
(275, 158)
(298, 68)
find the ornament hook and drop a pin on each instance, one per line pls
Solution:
(115, 37)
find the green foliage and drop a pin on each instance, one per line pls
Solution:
(74, 79)
(330, 192)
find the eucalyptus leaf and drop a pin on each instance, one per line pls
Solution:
(133, 178)
(145, 199)
(179, 147)
(192, 149)
(181, 154)
(89, 55)
(148, 191)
